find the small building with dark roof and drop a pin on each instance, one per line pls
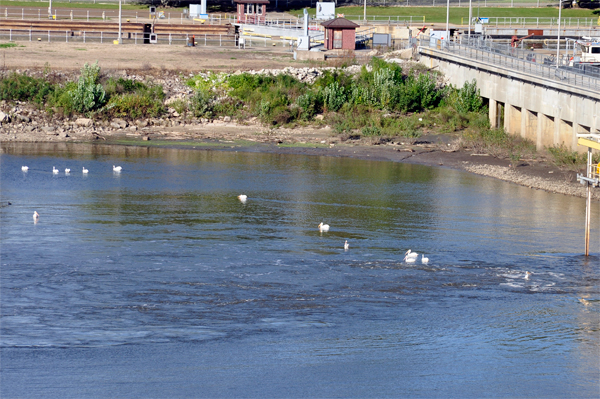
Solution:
(340, 34)
(251, 11)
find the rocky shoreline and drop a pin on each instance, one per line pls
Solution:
(22, 122)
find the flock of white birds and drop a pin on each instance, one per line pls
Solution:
(55, 171)
(68, 171)
(410, 257)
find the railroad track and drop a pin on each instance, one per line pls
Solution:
(127, 27)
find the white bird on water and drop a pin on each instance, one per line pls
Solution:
(67, 171)
(527, 274)
(85, 171)
(24, 168)
(243, 198)
(54, 171)
(424, 260)
(117, 168)
(323, 227)
(346, 245)
(410, 257)
(36, 216)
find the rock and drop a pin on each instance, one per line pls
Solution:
(85, 122)
(133, 128)
(23, 118)
(142, 123)
(146, 138)
(4, 118)
(319, 117)
(227, 119)
(49, 130)
(118, 123)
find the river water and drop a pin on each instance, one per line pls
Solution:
(158, 282)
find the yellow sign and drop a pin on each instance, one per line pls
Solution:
(589, 143)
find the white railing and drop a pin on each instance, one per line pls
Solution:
(110, 37)
(514, 22)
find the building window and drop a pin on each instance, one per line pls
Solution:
(249, 9)
(259, 9)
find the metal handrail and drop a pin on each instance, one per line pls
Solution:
(519, 60)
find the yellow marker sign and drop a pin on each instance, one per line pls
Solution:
(589, 143)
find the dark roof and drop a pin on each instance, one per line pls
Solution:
(252, 1)
(339, 23)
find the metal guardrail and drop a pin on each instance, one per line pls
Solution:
(110, 37)
(137, 38)
(531, 62)
(529, 22)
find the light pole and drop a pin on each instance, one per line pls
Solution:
(448, 21)
(470, 18)
(365, 16)
(558, 40)
(120, 35)
(50, 9)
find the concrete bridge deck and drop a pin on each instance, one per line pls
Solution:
(538, 101)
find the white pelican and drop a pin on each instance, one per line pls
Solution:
(36, 215)
(117, 168)
(67, 171)
(323, 227)
(54, 171)
(410, 256)
(242, 198)
(424, 260)
(346, 245)
(24, 168)
(527, 274)
(85, 171)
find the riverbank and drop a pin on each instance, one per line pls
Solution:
(24, 123)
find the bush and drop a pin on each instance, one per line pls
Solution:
(371, 131)
(18, 87)
(201, 104)
(562, 156)
(147, 102)
(466, 99)
(334, 96)
(88, 95)
(310, 103)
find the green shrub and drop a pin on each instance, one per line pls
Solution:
(88, 95)
(371, 131)
(334, 96)
(562, 156)
(310, 103)
(142, 103)
(17, 87)
(466, 99)
(201, 104)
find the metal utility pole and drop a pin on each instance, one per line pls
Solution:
(470, 18)
(588, 204)
(50, 9)
(120, 35)
(365, 16)
(558, 40)
(448, 21)
(591, 179)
